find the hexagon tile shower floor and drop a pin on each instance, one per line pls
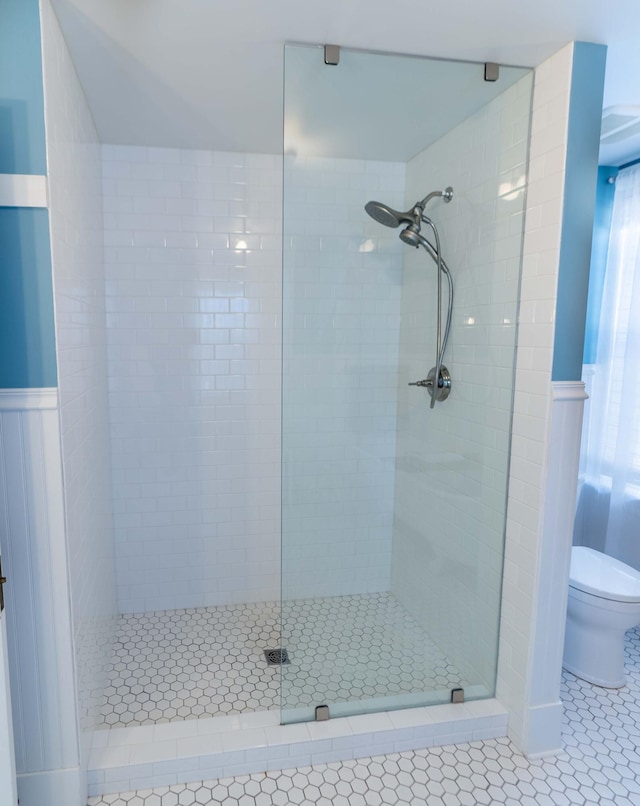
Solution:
(185, 664)
(600, 765)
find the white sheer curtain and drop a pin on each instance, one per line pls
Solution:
(608, 516)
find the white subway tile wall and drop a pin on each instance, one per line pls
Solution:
(342, 280)
(193, 267)
(452, 461)
(532, 404)
(75, 210)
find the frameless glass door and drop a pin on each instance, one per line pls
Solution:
(393, 511)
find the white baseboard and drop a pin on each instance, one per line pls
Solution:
(543, 730)
(52, 788)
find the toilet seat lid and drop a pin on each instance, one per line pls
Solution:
(603, 576)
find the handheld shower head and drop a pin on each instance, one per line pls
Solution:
(411, 235)
(387, 215)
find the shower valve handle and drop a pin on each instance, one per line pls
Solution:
(439, 391)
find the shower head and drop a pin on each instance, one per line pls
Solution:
(387, 215)
(411, 235)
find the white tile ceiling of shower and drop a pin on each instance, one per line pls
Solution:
(187, 664)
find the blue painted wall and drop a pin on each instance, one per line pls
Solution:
(585, 114)
(605, 194)
(22, 137)
(27, 334)
(27, 346)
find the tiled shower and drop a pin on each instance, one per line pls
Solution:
(177, 342)
(193, 262)
(193, 300)
(381, 572)
(192, 296)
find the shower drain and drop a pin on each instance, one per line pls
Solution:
(276, 657)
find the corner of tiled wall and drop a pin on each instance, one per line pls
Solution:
(75, 207)
(449, 571)
(533, 398)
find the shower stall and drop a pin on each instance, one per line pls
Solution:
(306, 418)
(394, 492)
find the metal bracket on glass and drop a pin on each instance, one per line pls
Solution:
(332, 54)
(443, 389)
(491, 71)
(322, 713)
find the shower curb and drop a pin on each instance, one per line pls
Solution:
(143, 757)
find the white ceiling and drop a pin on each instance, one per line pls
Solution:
(208, 73)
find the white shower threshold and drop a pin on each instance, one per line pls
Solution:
(146, 756)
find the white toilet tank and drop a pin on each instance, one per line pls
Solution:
(600, 575)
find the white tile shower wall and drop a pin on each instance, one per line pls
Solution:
(342, 280)
(193, 267)
(75, 196)
(532, 404)
(452, 461)
(193, 263)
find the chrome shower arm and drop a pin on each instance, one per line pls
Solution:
(446, 195)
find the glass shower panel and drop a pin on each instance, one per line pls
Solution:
(394, 512)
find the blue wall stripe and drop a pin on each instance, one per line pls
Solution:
(27, 336)
(605, 194)
(585, 116)
(22, 135)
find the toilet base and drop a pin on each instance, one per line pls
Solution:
(594, 638)
(592, 679)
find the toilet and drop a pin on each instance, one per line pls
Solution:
(604, 602)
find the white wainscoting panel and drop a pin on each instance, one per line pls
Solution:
(7, 760)
(543, 718)
(32, 537)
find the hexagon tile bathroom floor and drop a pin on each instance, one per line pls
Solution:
(600, 765)
(184, 664)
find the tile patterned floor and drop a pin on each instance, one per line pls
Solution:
(184, 664)
(600, 765)
(204, 662)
